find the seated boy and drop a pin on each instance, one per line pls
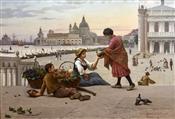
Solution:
(145, 80)
(53, 86)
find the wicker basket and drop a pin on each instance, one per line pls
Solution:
(76, 80)
(36, 84)
(67, 64)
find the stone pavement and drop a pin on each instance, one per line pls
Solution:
(109, 103)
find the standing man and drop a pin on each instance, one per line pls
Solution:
(130, 51)
(60, 55)
(116, 56)
(150, 63)
(171, 64)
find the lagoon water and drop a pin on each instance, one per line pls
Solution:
(28, 49)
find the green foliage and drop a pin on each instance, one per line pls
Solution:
(34, 73)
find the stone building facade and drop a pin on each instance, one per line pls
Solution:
(156, 29)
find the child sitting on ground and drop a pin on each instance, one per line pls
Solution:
(55, 87)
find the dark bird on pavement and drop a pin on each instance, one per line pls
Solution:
(140, 101)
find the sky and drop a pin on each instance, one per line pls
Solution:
(24, 17)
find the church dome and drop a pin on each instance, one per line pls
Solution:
(75, 27)
(83, 23)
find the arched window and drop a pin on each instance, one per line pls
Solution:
(3, 64)
(156, 27)
(166, 26)
(9, 64)
(14, 64)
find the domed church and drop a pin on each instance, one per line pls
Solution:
(88, 37)
(76, 36)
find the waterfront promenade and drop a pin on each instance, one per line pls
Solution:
(108, 104)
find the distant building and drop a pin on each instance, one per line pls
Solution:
(6, 40)
(130, 38)
(76, 36)
(156, 29)
(102, 40)
(40, 40)
(71, 38)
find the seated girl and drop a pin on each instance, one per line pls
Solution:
(80, 67)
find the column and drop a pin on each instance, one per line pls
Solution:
(26, 82)
(2, 76)
(146, 34)
(151, 50)
(141, 26)
(19, 74)
(8, 77)
(11, 76)
(161, 45)
(5, 76)
(171, 47)
(14, 77)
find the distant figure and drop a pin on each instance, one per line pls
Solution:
(36, 63)
(137, 60)
(145, 80)
(43, 49)
(17, 53)
(144, 55)
(165, 64)
(57, 56)
(10, 48)
(130, 51)
(134, 63)
(60, 55)
(171, 64)
(150, 63)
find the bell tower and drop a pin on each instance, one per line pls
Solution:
(162, 2)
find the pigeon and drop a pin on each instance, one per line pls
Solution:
(140, 101)
(29, 111)
(12, 109)
(146, 101)
(7, 116)
(20, 110)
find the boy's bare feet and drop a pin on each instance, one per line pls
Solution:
(84, 97)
